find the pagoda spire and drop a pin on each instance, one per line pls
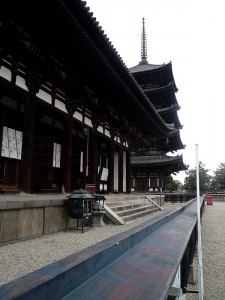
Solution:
(143, 45)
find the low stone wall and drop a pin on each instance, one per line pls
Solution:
(179, 197)
(104, 268)
(217, 197)
(32, 216)
(184, 197)
(29, 218)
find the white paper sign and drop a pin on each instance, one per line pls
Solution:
(104, 175)
(5, 143)
(19, 139)
(11, 143)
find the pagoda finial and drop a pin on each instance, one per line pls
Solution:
(143, 45)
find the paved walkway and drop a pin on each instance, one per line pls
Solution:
(213, 253)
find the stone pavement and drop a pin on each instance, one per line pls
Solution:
(213, 253)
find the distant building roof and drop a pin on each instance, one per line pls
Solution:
(158, 160)
(144, 67)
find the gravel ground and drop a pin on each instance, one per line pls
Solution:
(213, 253)
(20, 258)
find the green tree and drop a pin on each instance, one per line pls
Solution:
(204, 179)
(171, 184)
(218, 181)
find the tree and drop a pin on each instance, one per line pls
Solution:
(218, 181)
(171, 184)
(204, 179)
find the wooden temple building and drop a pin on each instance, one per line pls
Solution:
(71, 112)
(150, 164)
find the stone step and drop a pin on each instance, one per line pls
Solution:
(125, 209)
(124, 203)
(121, 204)
(138, 215)
(136, 209)
(127, 198)
(130, 208)
(113, 198)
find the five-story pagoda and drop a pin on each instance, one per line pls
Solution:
(151, 165)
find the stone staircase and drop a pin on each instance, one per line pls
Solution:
(126, 208)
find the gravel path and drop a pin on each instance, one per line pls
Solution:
(213, 253)
(20, 258)
(23, 257)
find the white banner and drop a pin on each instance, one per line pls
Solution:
(56, 155)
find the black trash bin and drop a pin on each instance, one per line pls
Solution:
(80, 204)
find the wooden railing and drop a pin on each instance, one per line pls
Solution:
(140, 263)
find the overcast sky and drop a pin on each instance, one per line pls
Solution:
(190, 34)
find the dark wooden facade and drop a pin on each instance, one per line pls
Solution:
(151, 165)
(64, 92)
(150, 172)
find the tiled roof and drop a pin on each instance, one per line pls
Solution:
(173, 107)
(154, 89)
(145, 67)
(154, 159)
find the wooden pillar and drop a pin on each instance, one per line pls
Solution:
(1, 134)
(33, 84)
(113, 132)
(68, 154)
(120, 183)
(128, 171)
(94, 158)
(111, 167)
(71, 106)
(1, 131)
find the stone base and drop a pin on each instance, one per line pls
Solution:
(191, 277)
(98, 219)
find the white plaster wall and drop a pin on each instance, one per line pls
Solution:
(60, 105)
(44, 96)
(20, 81)
(100, 129)
(77, 115)
(107, 133)
(5, 73)
(87, 121)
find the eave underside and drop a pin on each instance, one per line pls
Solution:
(161, 162)
(64, 31)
